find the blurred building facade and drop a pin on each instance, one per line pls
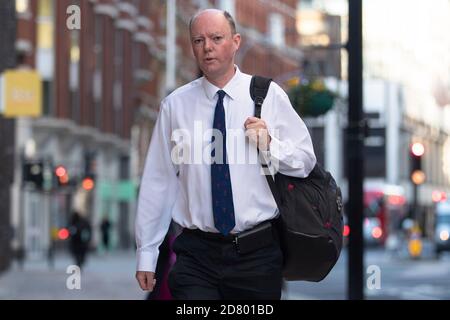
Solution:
(7, 137)
(406, 98)
(96, 75)
(416, 57)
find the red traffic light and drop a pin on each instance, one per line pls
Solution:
(88, 184)
(64, 179)
(63, 234)
(417, 149)
(60, 171)
(346, 231)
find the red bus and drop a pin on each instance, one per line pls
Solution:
(384, 209)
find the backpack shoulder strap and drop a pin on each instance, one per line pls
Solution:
(259, 86)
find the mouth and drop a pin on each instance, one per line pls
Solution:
(208, 60)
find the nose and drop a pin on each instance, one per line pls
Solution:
(207, 45)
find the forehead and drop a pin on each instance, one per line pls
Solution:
(210, 22)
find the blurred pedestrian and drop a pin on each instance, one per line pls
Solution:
(105, 226)
(80, 237)
(228, 248)
(160, 291)
(166, 259)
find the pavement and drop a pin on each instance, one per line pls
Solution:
(388, 275)
(107, 276)
(110, 276)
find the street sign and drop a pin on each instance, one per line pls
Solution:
(21, 94)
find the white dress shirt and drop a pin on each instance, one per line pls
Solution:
(176, 183)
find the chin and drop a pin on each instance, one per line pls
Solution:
(210, 74)
(210, 70)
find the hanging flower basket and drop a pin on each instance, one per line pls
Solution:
(311, 99)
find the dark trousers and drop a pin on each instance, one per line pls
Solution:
(213, 269)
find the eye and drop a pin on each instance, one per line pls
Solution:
(198, 41)
(217, 38)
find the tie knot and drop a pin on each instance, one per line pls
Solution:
(221, 94)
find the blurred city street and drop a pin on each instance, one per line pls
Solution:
(105, 277)
(401, 278)
(111, 277)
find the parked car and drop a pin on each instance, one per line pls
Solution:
(372, 231)
(442, 227)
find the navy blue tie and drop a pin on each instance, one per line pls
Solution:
(222, 195)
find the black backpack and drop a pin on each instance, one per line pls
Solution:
(310, 223)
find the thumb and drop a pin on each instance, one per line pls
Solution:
(151, 282)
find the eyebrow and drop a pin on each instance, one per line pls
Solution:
(213, 34)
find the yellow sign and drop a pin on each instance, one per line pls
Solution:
(415, 243)
(21, 94)
(415, 248)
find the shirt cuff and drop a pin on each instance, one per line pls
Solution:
(146, 261)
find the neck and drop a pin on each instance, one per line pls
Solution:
(221, 81)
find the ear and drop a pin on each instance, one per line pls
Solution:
(237, 40)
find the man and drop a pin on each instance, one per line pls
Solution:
(104, 229)
(218, 200)
(80, 237)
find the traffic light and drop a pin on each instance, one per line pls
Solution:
(33, 173)
(62, 176)
(90, 169)
(88, 183)
(417, 150)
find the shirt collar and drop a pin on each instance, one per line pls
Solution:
(231, 88)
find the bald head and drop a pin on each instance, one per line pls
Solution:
(225, 14)
(214, 43)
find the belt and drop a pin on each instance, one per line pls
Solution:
(220, 237)
(212, 235)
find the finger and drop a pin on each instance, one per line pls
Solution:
(252, 136)
(251, 120)
(257, 126)
(151, 282)
(143, 281)
(153, 285)
(254, 126)
(251, 132)
(260, 123)
(142, 284)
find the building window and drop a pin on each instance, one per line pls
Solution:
(45, 25)
(74, 74)
(22, 6)
(276, 29)
(118, 76)
(98, 86)
(136, 63)
(47, 94)
(305, 4)
(45, 54)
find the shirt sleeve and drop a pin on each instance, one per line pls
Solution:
(157, 194)
(291, 150)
